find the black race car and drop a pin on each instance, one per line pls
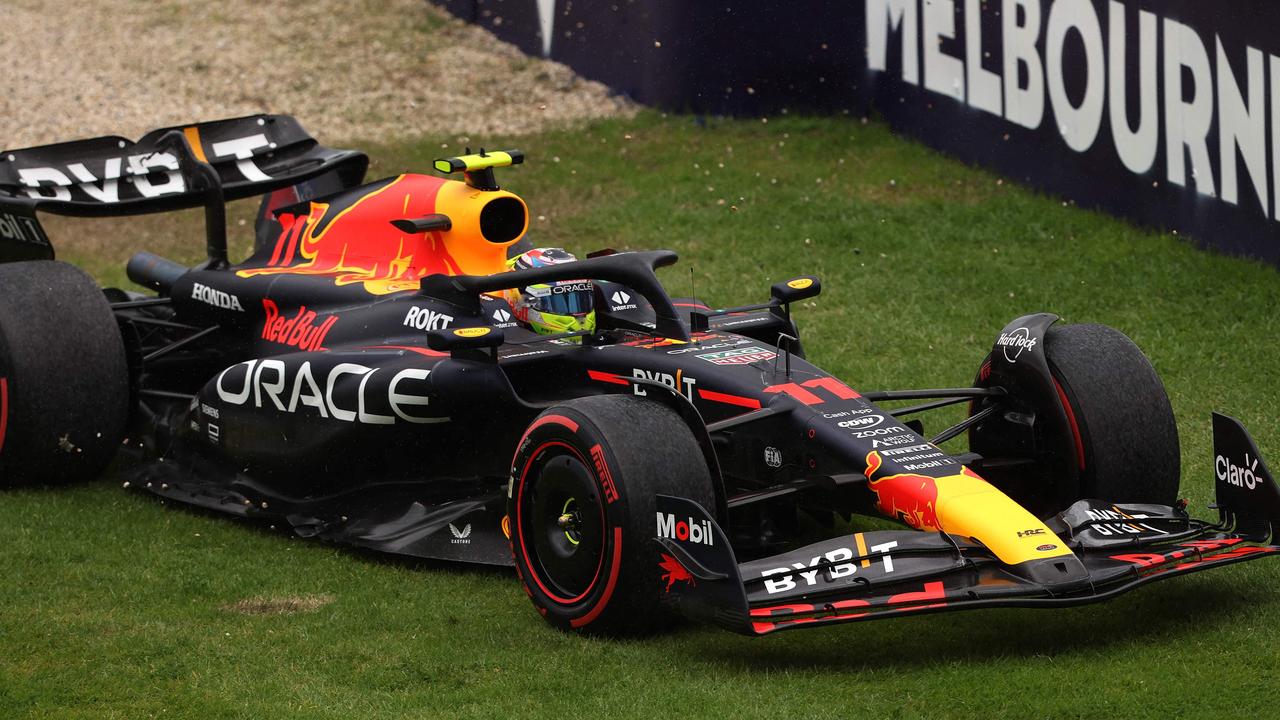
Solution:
(360, 378)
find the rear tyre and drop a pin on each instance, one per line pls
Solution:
(582, 510)
(64, 381)
(1123, 436)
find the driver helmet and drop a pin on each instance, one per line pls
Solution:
(552, 308)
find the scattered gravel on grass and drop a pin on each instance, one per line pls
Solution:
(279, 605)
(350, 70)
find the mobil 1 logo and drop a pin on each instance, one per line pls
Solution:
(22, 229)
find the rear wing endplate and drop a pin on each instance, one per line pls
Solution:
(168, 169)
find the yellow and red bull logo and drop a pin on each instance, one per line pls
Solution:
(914, 498)
(351, 239)
(963, 504)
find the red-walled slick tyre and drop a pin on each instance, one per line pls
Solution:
(582, 510)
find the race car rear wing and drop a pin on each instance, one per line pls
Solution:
(200, 165)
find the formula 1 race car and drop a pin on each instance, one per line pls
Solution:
(361, 378)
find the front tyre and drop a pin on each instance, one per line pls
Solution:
(582, 510)
(1120, 428)
(1127, 439)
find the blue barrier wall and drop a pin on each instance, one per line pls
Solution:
(1164, 112)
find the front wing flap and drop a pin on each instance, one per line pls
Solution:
(884, 574)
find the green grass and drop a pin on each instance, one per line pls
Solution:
(112, 606)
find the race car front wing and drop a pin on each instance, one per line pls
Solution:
(883, 574)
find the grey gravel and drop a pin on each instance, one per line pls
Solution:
(350, 70)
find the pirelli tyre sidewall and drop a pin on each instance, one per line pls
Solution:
(582, 510)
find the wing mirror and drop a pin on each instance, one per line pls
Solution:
(796, 289)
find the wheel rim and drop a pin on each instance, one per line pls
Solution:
(564, 523)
